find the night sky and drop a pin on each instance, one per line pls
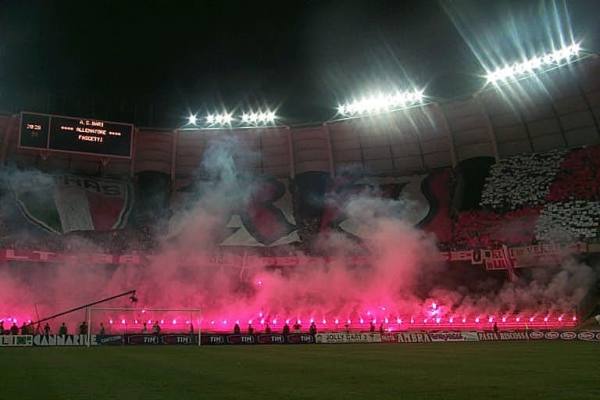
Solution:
(150, 62)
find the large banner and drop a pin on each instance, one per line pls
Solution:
(493, 259)
(519, 256)
(68, 203)
(275, 210)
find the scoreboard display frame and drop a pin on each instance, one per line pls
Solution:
(43, 132)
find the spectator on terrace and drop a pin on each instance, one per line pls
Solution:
(83, 328)
(495, 327)
(24, 329)
(250, 329)
(191, 328)
(381, 330)
(14, 329)
(372, 327)
(63, 330)
(144, 328)
(156, 328)
(286, 329)
(313, 328)
(1, 327)
(47, 329)
(267, 329)
(347, 328)
(237, 330)
(297, 327)
(102, 330)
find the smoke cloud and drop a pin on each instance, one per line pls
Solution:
(401, 278)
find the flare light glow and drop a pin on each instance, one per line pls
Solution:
(356, 322)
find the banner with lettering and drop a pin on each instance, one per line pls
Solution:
(16, 340)
(350, 337)
(492, 259)
(68, 203)
(63, 340)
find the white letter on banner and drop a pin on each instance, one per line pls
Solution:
(10, 255)
(44, 255)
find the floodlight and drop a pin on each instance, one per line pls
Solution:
(258, 118)
(224, 118)
(381, 103)
(550, 60)
(192, 119)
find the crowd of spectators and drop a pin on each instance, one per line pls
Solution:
(579, 177)
(527, 198)
(521, 180)
(28, 328)
(487, 229)
(531, 198)
(568, 221)
(114, 242)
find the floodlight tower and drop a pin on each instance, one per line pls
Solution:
(543, 63)
(381, 103)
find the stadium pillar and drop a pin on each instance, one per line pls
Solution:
(589, 107)
(488, 125)
(291, 153)
(174, 141)
(561, 128)
(136, 133)
(89, 324)
(444, 120)
(329, 149)
(10, 126)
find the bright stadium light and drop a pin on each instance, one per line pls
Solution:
(192, 119)
(381, 103)
(547, 61)
(259, 118)
(219, 119)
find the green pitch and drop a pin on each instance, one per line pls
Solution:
(518, 370)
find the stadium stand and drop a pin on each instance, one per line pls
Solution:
(521, 180)
(569, 221)
(487, 229)
(579, 176)
(542, 153)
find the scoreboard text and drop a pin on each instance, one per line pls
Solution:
(75, 135)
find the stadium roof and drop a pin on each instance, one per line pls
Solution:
(152, 62)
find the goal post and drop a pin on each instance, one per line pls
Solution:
(141, 321)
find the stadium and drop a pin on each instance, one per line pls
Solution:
(449, 246)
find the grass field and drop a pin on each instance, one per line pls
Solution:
(518, 370)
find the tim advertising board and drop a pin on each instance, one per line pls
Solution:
(75, 135)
